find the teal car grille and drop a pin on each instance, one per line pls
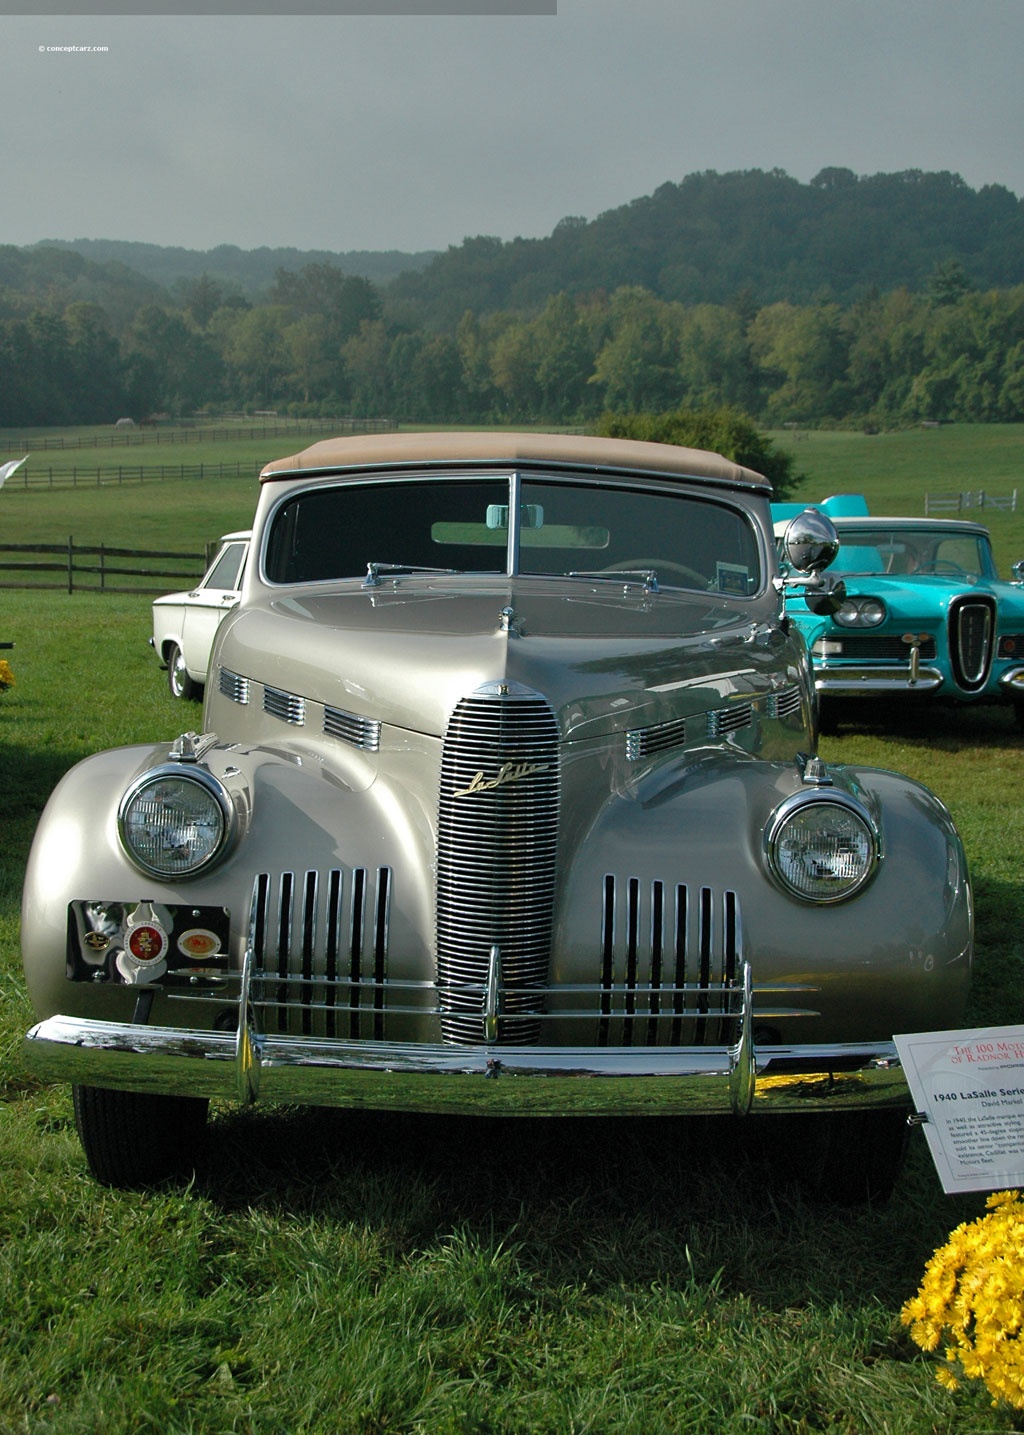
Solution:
(971, 629)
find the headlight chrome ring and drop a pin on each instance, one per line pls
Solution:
(861, 613)
(175, 821)
(822, 847)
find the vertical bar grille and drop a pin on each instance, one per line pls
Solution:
(670, 956)
(320, 944)
(497, 840)
(971, 627)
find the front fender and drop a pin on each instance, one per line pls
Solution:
(295, 814)
(662, 865)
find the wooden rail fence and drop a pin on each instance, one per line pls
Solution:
(98, 568)
(192, 433)
(963, 502)
(86, 475)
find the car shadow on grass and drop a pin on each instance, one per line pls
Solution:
(591, 1200)
(920, 721)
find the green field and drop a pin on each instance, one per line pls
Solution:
(330, 1272)
(896, 470)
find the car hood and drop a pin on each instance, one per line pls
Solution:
(607, 656)
(925, 594)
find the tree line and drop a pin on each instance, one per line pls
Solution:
(882, 299)
(328, 344)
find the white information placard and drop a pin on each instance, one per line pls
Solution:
(969, 1088)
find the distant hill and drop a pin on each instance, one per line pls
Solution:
(748, 238)
(752, 235)
(40, 277)
(250, 271)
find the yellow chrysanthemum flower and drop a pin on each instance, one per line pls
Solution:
(972, 1297)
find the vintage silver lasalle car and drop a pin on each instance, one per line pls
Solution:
(507, 803)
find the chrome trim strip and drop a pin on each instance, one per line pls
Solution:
(853, 680)
(508, 1080)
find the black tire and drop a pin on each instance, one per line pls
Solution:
(178, 680)
(850, 1157)
(132, 1138)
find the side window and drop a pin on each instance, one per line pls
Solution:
(227, 568)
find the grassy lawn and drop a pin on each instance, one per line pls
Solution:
(336, 1272)
(895, 470)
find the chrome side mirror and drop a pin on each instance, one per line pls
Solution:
(1018, 572)
(811, 541)
(827, 599)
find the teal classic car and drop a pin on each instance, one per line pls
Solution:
(925, 615)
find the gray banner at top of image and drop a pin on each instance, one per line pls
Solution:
(280, 7)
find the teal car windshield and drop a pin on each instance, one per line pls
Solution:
(902, 552)
(557, 527)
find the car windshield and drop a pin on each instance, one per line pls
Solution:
(462, 524)
(908, 551)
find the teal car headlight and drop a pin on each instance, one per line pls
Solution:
(822, 847)
(861, 613)
(175, 823)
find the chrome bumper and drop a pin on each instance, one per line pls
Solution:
(480, 1080)
(851, 681)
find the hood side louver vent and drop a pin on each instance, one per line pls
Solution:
(359, 731)
(787, 703)
(642, 742)
(286, 706)
(730, 719)
(230, 685)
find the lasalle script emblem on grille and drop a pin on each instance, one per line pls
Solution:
(508, 772)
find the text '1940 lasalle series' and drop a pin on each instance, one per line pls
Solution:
(506, 803)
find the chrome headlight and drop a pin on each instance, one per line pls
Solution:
(175, 823)
(861, 613)
(822, 847)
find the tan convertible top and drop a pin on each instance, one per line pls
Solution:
(414, 449)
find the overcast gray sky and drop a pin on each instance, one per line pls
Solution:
(412, 132)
